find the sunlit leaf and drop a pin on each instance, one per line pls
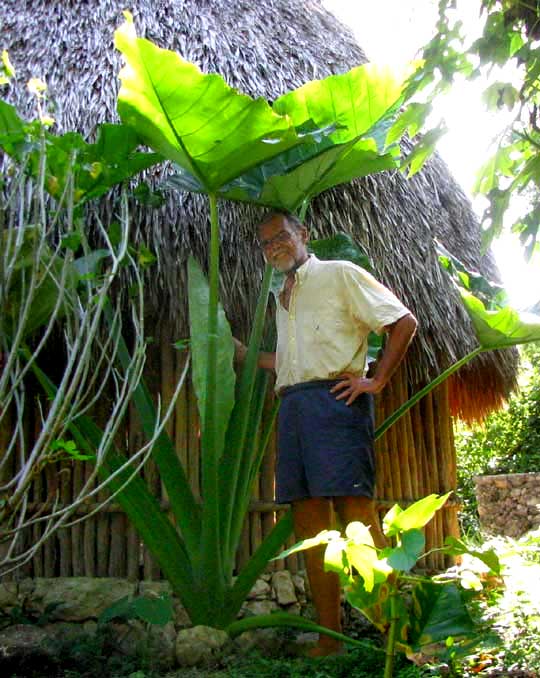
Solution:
(212, 131)
(414, 516)
(321, 538)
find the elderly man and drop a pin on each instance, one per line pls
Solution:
(325, 461)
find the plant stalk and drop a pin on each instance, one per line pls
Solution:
(211, 570)
(391, 420)
(391, 641)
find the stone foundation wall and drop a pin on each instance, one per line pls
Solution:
(509, 504)
(72, 606)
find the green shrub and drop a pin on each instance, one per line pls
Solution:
(507, 442)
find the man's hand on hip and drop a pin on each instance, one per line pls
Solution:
(351, 386)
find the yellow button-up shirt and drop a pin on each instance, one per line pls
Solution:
(333, 307)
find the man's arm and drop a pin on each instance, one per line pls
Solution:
(400, 335)
(266, 359)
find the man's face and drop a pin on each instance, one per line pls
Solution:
(284, 246)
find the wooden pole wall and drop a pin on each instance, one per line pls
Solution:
(416, 457)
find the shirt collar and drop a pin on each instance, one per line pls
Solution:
(303, 271)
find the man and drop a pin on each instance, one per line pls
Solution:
(325, 462)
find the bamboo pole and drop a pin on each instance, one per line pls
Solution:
(77, 555)
(37, 496)
(135, 441)
(103, 526)
(395, 474)
(89, 536)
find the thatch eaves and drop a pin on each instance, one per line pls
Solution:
(265, 49)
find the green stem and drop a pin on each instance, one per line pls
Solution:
(303, 210)
(424, 391)
(391, 641)
(211, 571)
(293, 621)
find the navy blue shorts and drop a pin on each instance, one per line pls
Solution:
(325, 448)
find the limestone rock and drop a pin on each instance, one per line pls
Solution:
(266, 641)
(154, 589)
(132, 637)
(81, 597)
(260, 590)
(283, 585)
(257, 607)
(200, 646)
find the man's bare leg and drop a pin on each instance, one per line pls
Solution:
(311, 516)
(350, 509)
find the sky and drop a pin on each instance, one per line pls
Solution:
(393, 31)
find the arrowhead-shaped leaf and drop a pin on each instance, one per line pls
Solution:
(355, 110)
(415, 516)
(404, 556)
(212, 131)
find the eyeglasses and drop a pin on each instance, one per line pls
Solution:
(282, 236)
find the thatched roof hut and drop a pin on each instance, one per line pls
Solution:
(265, 49)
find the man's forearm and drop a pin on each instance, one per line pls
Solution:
(266, 359)
(400, 335)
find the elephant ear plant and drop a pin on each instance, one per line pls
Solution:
(421, 615)
(227, 145)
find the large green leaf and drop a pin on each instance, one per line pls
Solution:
(198, 294)
(322, 134)
(496, 324)
(331, 166)
(197, 120)
(503, 328)
(356, 109)
(438, 611)
(361, 102)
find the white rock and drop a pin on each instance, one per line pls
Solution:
(200, 646)
(260, 591)
(282, 584)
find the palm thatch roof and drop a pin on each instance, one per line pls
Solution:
(266, 48)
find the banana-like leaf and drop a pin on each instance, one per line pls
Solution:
(94, 168)
(320, 135)
(496, 324)
(198, 294)
(503, 328)
(212, 131)
(303, 181)
(438, 611)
